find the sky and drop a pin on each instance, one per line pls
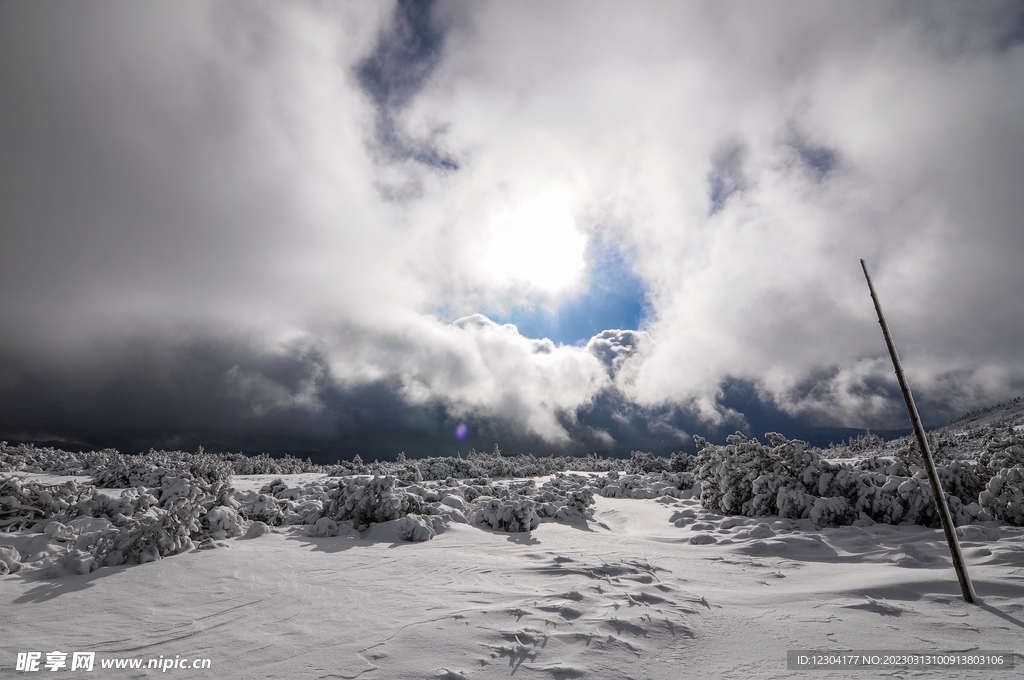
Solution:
(340, 228)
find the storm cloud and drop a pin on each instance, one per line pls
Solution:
(270, 226)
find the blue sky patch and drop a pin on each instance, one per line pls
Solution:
(615, 297)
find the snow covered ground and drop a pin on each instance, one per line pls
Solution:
(649, 588)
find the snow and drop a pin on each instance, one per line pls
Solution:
(712, 566)
(634, 588)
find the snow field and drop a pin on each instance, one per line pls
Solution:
(627, 594)
(710, 565)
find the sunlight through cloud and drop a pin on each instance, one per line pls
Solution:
(536, 243)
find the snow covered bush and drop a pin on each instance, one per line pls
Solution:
(23, 504)
(323, 528)
(650, 485)
(112, 469)
(418, 528)
(277, 503)
(577, 505)
(151, 525)
(727, 475)
(563, 497)
(10, 560)
(642, 462)
(130, 502)
(682, 462)
(1006, 451)
(792, 480)
(139, 525)
(222, 522)
(511, 515)
(115, 474)
(478, 464)
(364, 501)
(116, 470)
(1003, 497)
(151, 536)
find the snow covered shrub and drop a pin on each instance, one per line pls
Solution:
(475, 464)
(791, 501)
(201, 494)
(57, 531)
(130, 502)
(116, 470)
(523, 488)
(682, 481)
(430, 495)
(275, 487)
(277, 503)
(512, 515)
(727, 474)
(682, 462)
(151, 536)
(222, 522)
(417, 528)
(407, 471)
(1002, 452)
(323, 528)
(10, 560)
(454, 501)
(210, 469)
(364, 501)
(832, 511)
(263, 508)
(786, 478)
(306, 511)
(111, 469)
(257, 529)
(23, 504)
(577, 504)
(792, 480)
(345, 468)
(74, 561)
(642, 462)
(651, 485)
(864, 442)
(114, 475)
(264, 464)
(148, 524)
(1003, 497)
(563, 497)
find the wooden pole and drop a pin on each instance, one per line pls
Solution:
(922, 441)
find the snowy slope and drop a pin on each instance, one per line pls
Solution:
(1009, 414)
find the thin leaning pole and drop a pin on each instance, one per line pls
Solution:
(940, 499)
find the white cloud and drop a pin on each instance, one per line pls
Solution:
(477, 367)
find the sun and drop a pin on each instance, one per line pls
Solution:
(538, 244)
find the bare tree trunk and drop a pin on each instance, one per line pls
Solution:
(922, 441)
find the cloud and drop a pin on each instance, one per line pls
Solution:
(293, 205)
(726, 176)
(408, 50)
(477, 367)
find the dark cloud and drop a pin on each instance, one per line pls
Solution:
(955, 29)
(726, 176)
(815, 159)
(405, 56)
(230, 394)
